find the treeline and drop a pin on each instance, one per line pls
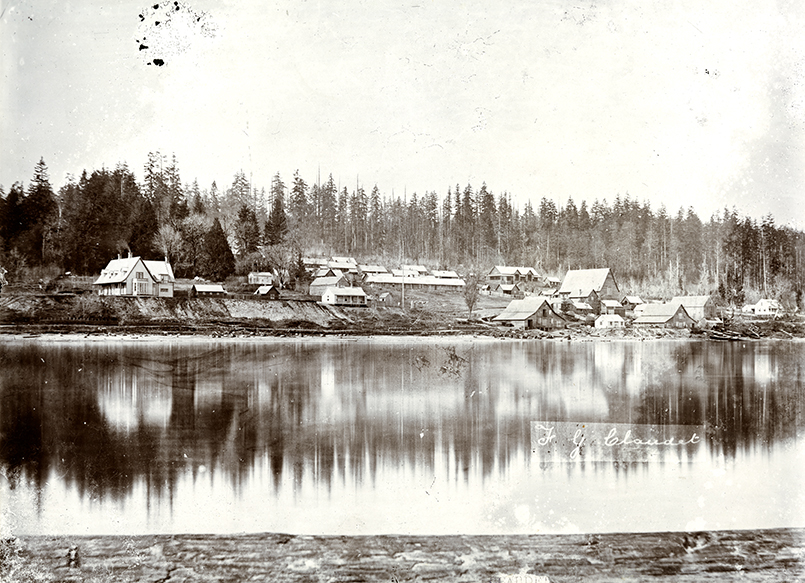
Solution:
(214, 232)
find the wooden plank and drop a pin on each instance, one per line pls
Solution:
(757, 555)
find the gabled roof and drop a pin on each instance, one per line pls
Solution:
(583, 293)
(523, 309)
(503, 270)
(209, 288)
(159, 268)
(117, 270)
(527, 270)
(582, 305)
(690, 301)
(444, 274)
(612, 303)
(265, 289)
(326, 281)
(633, 299)
(417, 268)
(346, 291)
(609, 318)
(373, 269)
(579, 279)
(659, 313)
(349, 260)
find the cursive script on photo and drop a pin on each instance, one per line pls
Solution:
(613, 442)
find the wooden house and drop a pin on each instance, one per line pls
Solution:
(697, 307)
(589, 297)
(609, 321)
(613, 307)
(344, 296)
(134, 276)
(671, 315)
(319, 285)
(207, 290)
(509, 289)
(261, 277)
(268, 291)
(767, 307)
(531, 312)
(631, 302)
(510, 274)
(602, 281)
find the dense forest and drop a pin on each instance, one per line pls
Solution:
(216, 232)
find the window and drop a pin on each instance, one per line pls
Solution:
(139, 275)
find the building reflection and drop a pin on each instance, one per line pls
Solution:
(107, 418)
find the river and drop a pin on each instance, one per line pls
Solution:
(402, 436)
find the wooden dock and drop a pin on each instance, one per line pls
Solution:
(757, 555)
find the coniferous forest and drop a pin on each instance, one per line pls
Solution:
(217, 231)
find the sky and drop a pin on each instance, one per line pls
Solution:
(683, 104)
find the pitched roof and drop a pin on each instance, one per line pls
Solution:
(659, 313)
(159, 268)
(612, 303)
(349, 260)
(634, 299)
(580, 279)
(609, 318)
(117, 270)
(523, 309)
(444, 274)
(504, 270)
(690, 301)
(346, 291)
(326, 281)
(209, 288)
(373, 269)
(264, 289)
(395, 279)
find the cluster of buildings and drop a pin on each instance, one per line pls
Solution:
(593, 296)
(590, 296)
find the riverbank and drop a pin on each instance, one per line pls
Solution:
(754, 555)
(440, 314)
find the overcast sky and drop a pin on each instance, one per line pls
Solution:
(685, 104)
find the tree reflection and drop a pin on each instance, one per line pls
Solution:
(106, 418)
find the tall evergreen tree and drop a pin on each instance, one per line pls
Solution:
(277, 226)
(218, 262)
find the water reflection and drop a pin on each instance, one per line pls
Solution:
(288, 433)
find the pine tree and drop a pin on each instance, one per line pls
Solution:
(277, 227)
(218, 262)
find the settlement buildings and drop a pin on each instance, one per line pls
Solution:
(531, 312)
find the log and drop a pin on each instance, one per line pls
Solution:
(752, 555)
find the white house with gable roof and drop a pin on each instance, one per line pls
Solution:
(134, 276)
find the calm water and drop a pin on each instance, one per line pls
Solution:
(386, 436)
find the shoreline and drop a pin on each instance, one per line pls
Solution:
(745, 555)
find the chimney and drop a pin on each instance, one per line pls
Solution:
(118, 256)
(129, 253)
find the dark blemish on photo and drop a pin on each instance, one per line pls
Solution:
(143, 47)
(156, 23)
(142, 18)
(156, 6)
(158, 62)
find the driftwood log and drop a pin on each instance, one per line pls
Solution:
(759, 555)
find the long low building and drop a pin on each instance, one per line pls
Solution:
(428, 282)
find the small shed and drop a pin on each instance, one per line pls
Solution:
(269, 291)
(344, 296)
(665, 316)
(531, 312)
(697, 307)
(609, 321)
(207, 290)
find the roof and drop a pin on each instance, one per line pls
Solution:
(769, 303)
(578, 279)
(659, 313)
(524, 309)
(444, 274)
(417, 268)
(503, 270)
(346, 291)
(326, 281)
(323, 271)
(634, 299)
(582, 305)
(583, 293)
(691, 301)
(209, 288)
(612, 303)
(159, 268)
(342, 265)
(264, 290)
(118, 270)
(527, 270)
(268, 273)
(609, 318)
(391, 278)
(349, 260)
(373, 269)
